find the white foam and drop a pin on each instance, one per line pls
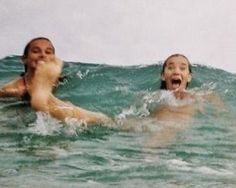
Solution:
(82, 75)
(179, 162)
(122, 88)
(185, 166)
(210, 171)
(45, 124)
(73, 125)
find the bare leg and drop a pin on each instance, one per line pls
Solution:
(42, 98)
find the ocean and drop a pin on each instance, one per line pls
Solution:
(38, 151)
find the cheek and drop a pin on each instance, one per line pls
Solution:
(32, 56)
(166, 75)
(30, 60)
(51, 57)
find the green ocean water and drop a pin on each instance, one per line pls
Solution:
(37, 151)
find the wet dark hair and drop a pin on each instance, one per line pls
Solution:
(163, 83)
(26, 50)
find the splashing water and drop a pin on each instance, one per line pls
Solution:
(70, 154)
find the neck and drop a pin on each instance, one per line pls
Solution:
(180, 94)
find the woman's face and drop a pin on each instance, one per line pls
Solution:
(39, 50)
(176, 73)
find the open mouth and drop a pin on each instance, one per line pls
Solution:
(175, 83)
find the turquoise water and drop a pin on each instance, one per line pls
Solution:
(38, 151)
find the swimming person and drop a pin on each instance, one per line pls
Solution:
(169, 110)
(42, 70)
(17, 87)
(176, 74)
(176, 104)
(43, 100)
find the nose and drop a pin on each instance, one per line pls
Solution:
(42, 55)
(176, 71)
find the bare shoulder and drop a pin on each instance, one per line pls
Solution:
(14, 88)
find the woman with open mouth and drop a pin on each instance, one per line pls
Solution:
(176, 105)
(176, 74)
(178, 102)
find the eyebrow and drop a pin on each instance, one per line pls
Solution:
(171, 63)
(186, 64)
(37, 47)
(50, 48)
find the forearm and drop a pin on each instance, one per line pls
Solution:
(4, 92)
(14, 88)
